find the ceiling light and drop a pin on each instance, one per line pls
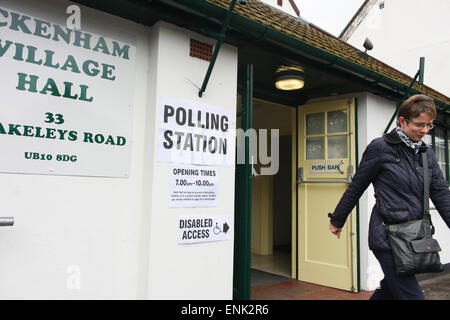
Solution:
(290, 82)
(289, 78)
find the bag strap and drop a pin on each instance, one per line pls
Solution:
(426, 185)
(426, 192)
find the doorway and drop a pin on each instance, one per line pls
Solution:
(271, 240)
(326, 162)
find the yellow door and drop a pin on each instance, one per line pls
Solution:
(326, 156)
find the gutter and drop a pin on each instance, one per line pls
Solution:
(260, 32)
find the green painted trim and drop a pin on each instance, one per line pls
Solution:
(447, 172)
(296, 195)
(421, 69)
(358, 244)
(202, 16)
(401, 101)
(243, 201)
(220, 39)
(260, 32)
(433, 141)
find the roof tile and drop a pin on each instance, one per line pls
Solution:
(308, 33)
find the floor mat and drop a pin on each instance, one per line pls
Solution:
(261, 278)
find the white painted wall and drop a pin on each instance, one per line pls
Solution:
(116, 237)
(442, 234)
(73, 230)
(203, 270)
(405, 30)
(374, 114)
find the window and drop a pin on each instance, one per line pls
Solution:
(326, 130)
(438, 138)
(440, 147)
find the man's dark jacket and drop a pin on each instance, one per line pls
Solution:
(396, 173)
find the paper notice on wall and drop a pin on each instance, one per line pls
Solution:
(193, 186)
(195, 133)
(204, 229)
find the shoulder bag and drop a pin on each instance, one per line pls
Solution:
(413, 247)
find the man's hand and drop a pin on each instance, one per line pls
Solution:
(334, 230)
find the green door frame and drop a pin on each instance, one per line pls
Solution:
(243, 200)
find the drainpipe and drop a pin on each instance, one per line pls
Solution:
(219, 39)
(421, 69)
(420, 74)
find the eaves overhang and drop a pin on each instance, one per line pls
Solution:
(260, 22)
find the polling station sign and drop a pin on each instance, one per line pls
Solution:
(67, 98)
(204, 229)
(195, 133)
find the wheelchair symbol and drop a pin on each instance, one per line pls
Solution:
(217, 229)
